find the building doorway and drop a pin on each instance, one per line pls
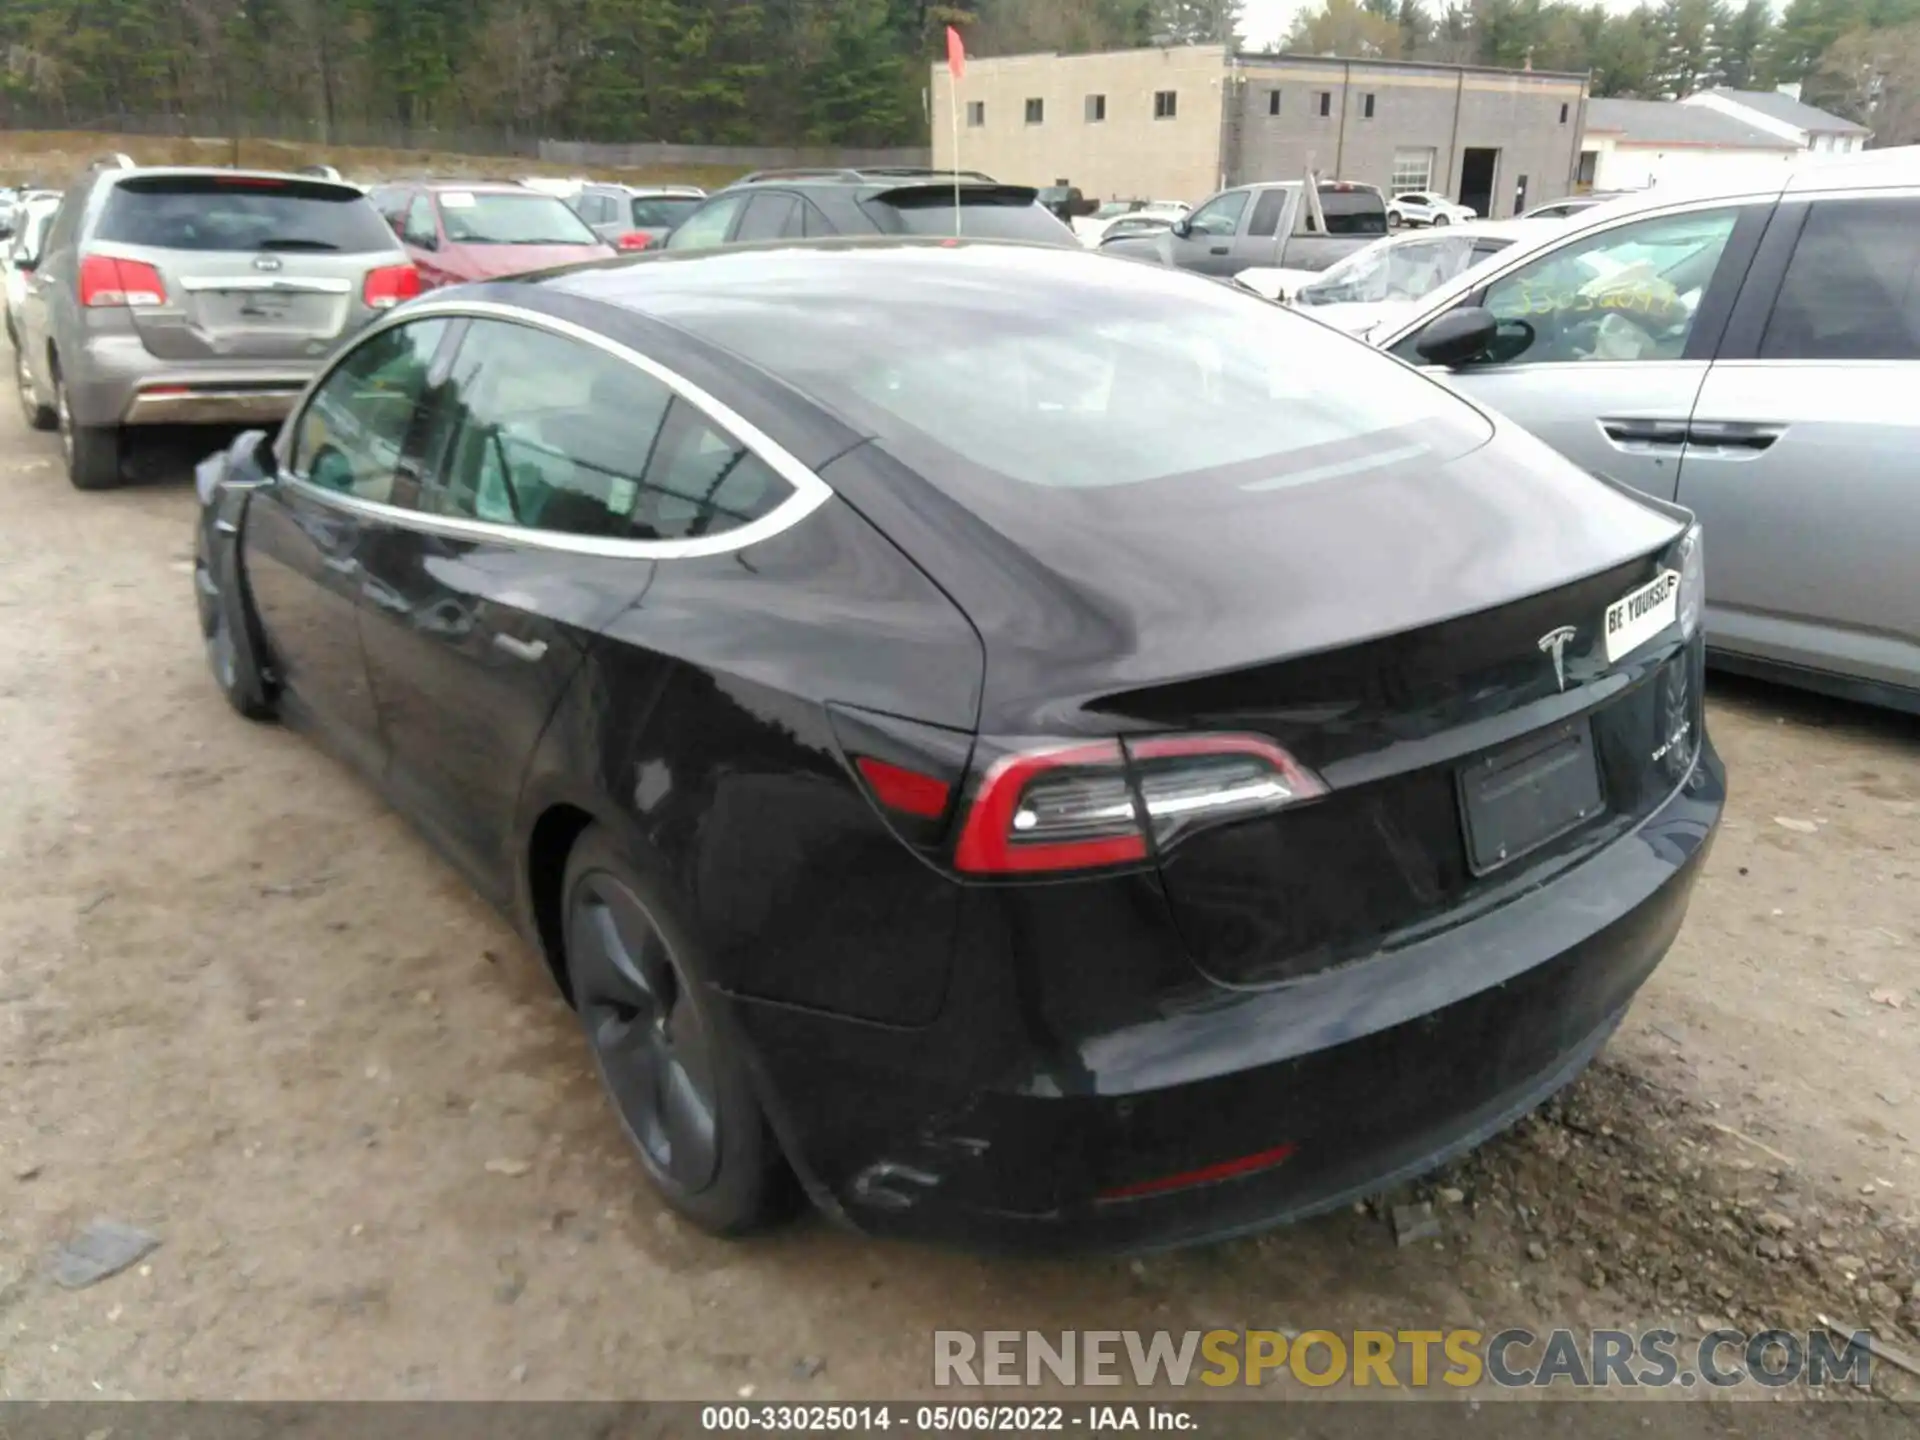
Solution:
(1477, 170)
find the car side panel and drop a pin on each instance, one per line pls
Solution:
(701, 716)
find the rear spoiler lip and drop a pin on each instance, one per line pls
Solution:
(968, 189)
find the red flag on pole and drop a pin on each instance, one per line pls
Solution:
(956, 54)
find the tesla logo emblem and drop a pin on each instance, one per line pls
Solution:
(266, 262)
(1554, 643)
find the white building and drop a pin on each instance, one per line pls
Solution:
(1780, 112)
(1715, 135)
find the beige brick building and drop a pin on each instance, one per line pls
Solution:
(1179, 123)
(1142, 143)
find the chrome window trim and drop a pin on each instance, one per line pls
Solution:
(317, 284)
(809, 491)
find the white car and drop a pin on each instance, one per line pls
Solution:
(30, 219)
(1137, 215)
(1393, 272)
(1423, 207)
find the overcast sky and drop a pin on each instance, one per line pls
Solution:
(1267, 20)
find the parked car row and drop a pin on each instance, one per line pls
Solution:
(935, 677)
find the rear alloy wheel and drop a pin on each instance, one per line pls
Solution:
(1394, 221)
(683, 1095)
(230, 653)
(92, 451)
(40, 417)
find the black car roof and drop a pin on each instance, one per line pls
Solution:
(679, 287)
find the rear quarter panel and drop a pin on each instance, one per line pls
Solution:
(698, 726)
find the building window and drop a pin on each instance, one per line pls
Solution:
(1166, 104)
(1036, 111)
(1096, 109)
(1412, 171)
(1563, 114)
(1326, 102)
(976, 114)
(1273, 102)
(1366, 108)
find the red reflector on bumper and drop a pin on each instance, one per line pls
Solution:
(1205, 1175)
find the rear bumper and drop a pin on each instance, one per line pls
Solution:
(229, 403)
(116, 381)
(1360, 1077)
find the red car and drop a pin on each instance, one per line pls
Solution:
(456, 232)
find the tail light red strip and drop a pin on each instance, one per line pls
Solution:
(904, 790)
(108, 282)
(1083, 807)
(389, 285)
(1001, 837)
(1205, 1175)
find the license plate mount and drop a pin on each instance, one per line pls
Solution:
(1528, 793)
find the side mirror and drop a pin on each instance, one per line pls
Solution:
(1457, 337)
(1181, 228)
(27, 264)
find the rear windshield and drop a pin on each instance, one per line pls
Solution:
(1354, 212)
(985, 216)
(663, 212)
(221, 212)
(482, 218)
(1085, 374)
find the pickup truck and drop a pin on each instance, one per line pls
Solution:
(1265, 226)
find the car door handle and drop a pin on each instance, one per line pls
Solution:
(1744, 435)
(1221, 250)
(528, 650)
(1641, 434)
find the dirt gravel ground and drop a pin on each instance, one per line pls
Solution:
(243, 1007)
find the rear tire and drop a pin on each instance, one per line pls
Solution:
(675, 1076)
(92, 451)
(38, 416)
(1394, 222)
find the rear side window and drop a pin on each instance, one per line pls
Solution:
(1354, 212)
(350, 437)
(1266, 213)
(982, 215)
(217, 212)
(1852, 289)
(662, 212)
(540, 431)
(767, 217)
(709, 226)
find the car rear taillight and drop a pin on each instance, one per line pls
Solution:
(388, 286)
(1085, 807)
(634, 240)
(106, 281)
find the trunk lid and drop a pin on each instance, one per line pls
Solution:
(252, 267)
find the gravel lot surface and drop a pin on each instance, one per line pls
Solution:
(244, 1009)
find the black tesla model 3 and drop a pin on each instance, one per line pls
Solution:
(1042, 750)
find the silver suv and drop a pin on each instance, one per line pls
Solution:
(193, 297)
